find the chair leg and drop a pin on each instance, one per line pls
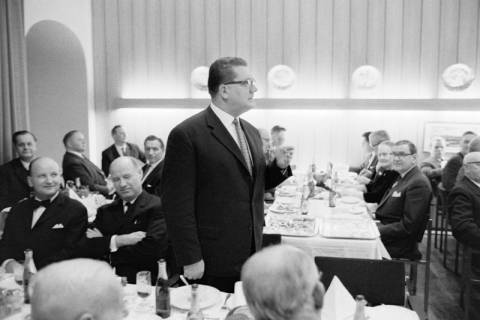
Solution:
(442, 230)
(445, 248)
(457, 253)
(436, 214)
(413, 279)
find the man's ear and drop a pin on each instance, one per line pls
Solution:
(29, 181)
(318, 293)
(222, 90)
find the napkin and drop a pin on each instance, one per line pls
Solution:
(338, 303)
(238, 296)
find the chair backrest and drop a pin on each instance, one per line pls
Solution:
(380, 281)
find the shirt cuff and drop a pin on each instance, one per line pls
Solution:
(113, 243)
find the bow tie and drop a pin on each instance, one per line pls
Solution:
(44, 203)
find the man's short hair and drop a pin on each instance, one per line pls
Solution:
(114, 129)
(67, 136)
(154, 138)
(411, 146)
(16, 134)
(366, 135)
(282, 282)
(221, 71)
(376, 137)
(72, 288)
(468, 132)
(387, 143)
(474, 145)
(277, 128)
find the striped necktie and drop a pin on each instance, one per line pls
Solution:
(242, 141)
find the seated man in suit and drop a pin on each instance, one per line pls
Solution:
(282, 283)
(403, 211)
(153, 170)
(119, 148)
(13, 175)
(49, 223)
(375, 138)
(130, 231)
(80, 289)
(464, 207)
(77, 165)
(450, 172)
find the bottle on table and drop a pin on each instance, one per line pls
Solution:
(195, 313)
(162, 293)
(360, 308)
(332, 193)
(29, 271)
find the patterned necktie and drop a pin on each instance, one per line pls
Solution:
(242, 141)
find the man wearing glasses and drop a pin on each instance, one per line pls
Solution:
(403, 211)
(465, 219)
(214, 180)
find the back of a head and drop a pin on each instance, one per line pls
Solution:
(376, 137)
(76, 289)
(282, 282)
(221, 71)
(474, 145)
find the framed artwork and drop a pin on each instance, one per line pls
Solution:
(450, 131)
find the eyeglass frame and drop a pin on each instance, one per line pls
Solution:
(401, 155)
(247, 82)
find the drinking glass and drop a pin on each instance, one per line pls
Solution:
(143, 284)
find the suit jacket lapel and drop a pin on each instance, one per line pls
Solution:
(255, 152)
(114, 152)
(50, 212)
(393, 188)
(223, 136)
(135, 210)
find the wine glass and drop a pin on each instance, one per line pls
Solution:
(143, 284)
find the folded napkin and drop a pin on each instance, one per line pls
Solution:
(338, 303)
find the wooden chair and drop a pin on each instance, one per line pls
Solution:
(380, 281)
(468, 278)
(444, 233)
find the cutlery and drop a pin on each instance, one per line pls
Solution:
(184, 280)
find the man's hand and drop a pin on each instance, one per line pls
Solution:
(283, 156)
(194, 271)
(129, 239)
(363, 180)
(14, 267)
(94, 233)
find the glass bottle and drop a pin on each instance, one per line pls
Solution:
(162, 293)
(195, 313)
(29, 271)
(360, 308)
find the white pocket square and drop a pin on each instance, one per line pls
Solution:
(396, 194)
(58, 226)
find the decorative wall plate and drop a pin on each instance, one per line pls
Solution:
(199, 78)
(458, 77)
(281, 77)
(366, 77)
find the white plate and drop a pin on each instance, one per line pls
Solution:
(349, 200)
(207, 297)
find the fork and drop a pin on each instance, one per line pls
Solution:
(224, 306)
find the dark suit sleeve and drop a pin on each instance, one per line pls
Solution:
(105, 163)
(3, 188)
(449, 174)
(76, 229)
(178, 197)
(141, 155)
(464, 227)
(77, 169)
(415, 211)
(7, 248)
(150, 248)
(274, 175)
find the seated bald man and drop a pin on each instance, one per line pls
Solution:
(282, 283)
(79, 289)
(49, 222)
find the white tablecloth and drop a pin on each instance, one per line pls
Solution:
(334, 247)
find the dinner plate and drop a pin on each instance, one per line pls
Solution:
(349, 200)
(207, 296)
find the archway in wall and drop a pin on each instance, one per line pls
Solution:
(57, 85)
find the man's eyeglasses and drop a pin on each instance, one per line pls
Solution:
(386, 154)
(401, 154)
(245, 83)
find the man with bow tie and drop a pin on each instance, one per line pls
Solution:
(49, 223)
(404, 209)
(130, 232)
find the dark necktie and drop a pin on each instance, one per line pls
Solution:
(127, 206)
(37, 203)
(242, 141)
(146, 168)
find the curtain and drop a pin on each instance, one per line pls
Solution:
(13, 75)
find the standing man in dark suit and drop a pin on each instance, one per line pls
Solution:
(130, 232)
(49, 223)
(153, 169)
(214, 180)
(464, 209)
(13, 175)
(450, 172)
(119, 148)
(403, 211)
(77, 165)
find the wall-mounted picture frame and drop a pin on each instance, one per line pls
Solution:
(452, 133)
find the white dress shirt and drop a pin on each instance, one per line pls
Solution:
(227, 121)
(37, 213)
(122, 150)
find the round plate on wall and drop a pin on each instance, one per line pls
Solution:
(458, 77)
(199, 78)
(366, 77)
(281, 77)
